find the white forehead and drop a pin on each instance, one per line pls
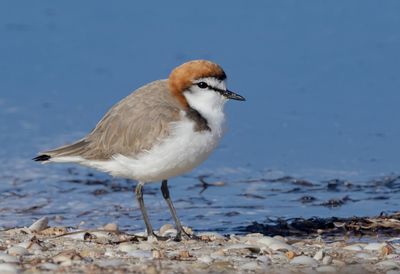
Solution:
(212, 82)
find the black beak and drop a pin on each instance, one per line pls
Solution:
(231, 95)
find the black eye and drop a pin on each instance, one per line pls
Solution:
(202, 85)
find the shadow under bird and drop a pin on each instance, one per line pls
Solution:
(159, 131)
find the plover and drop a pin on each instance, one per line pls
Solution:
(161, 130)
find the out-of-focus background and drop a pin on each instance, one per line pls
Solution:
(318, 135)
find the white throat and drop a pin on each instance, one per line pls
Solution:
(209, 103)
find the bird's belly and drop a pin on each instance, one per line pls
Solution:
(179, 153)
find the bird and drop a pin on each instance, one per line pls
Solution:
(161, 130)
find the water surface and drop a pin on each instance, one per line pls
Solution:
(320, 79)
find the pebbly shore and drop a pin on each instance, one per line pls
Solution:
(41, 248)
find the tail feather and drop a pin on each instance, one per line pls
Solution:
(75, 149)
(42, 158)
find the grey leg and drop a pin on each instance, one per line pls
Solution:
(139, 197)
(179, 228)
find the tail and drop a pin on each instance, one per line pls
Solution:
(63, 153)
(42, 158)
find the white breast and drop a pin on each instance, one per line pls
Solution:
(182, 151)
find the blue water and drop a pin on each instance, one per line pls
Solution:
(320, 78)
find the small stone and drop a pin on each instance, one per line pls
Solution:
(144, 246)
(255, 235)
(8, 269)
(127, 247)
(65, 258)
(290, 254)
(354, 247)
(393, 272)
(338, 263)
(54, 231)
(319, 255)
(8, 258)
(249, 266)
(188, 230)
(387, 265)
(304, 260)
(39, 225)
(210, 236)
(111, 227)
(386, 250)
(33, 244)
(48, 266)
(375, 246)
(165, 228)
(327, 260)
(81, 235)
(157, 254)
(243, 247)
(281, 246)
(17, 251)
(140, 254)
(184, 254)
(114, 263)
(274, 244)
(395, 257)
(326, 269)
(205, 259)
(172, 232)
(364, 256)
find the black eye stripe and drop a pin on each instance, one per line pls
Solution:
(204, 85)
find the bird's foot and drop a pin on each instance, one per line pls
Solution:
(152, 237)
(183, 235)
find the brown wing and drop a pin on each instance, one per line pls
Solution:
(134, 124)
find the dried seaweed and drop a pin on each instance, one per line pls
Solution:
(385, 225)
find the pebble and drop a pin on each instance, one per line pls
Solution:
(249, 266)
(388, 265)
(111, 227)
(172, 232)
(158, 254)
(39, 225)
(115, 263)
(205, 259)
(48, 266)
(30, 245)
(244, 247)
(127, 247)
(365, 256)
(144, 246)
(17, 251)
(141, 254)
(82, 236)
(326, 269)
(375, 246)
(66, 257)
(319, 255)
(274, 244)
(327, 260)
(7, 268)
(8, 258)
(304, 260)
(165, 228)
(211, 235)
(354, 247)
(338, 263)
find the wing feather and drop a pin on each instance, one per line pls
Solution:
(133, 125)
